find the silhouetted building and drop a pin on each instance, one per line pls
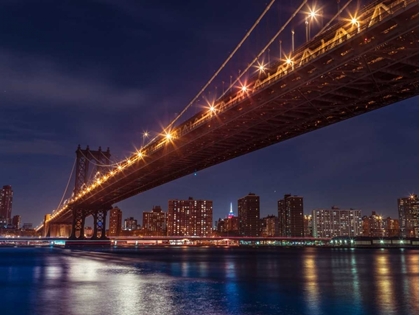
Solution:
(130, 224)
(27, 226)
(290, 210)
(115, 222)
(335, 222)
(408, 211)
(249, 215)
(270, 226)
(154, 222)
(6, 201)
(190, 217)
(307, 225)
(373, 225)
(16, 221)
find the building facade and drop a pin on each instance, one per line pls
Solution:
(228, 226)
(130, 224)
(249, 215)
(270, 226)
(291, 221)
(190, 217)
(336, 222)
(373, 225)
(154, 222)
(16, 222)
(307, 223)
(408, 212)
(6, 202)
(392, 227)
(115, 222)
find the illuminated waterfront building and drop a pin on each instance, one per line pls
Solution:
(392, 227)
(229, 225)
(249, 215)
(290, 210)
(307, 225)
(190, 217)
(6, 201)
(130, 224)
(408, 211)
(373, 225)
(154, 222)
(270, 226)
(16, 221)
(336, 222)
(115, 222)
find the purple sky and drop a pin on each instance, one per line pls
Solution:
(101, 73)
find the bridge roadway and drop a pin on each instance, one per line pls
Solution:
(350, 69)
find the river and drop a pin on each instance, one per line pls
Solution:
(209, 281)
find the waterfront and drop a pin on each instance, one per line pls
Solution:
(209, 281)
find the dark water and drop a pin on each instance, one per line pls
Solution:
(209, 281)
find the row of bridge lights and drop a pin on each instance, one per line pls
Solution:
(168, 135)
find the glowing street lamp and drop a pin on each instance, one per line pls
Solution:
(354, 21)
(312, 14)
(244, 88)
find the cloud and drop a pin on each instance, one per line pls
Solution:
(35, 81)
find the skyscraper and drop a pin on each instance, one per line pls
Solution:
(6, 200)
(190, 217)
(154, 222)
(249, 215)
(408, 211)
(290, 211)
(115, 222)
(335, 222)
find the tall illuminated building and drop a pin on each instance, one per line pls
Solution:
(336, 222)
(228, 226)
(290, 210)
(115, 222)
(6, 200)
(154, 222)
(190, 217)
(249, 215)
(408, 211)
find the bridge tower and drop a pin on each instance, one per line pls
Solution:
(99, 160)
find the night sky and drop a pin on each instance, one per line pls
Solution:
(100, 73)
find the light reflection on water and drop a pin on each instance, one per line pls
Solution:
(209, 281)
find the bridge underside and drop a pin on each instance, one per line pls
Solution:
(373, 69)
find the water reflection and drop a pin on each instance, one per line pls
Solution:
(307, 281)
(311, 284)
(383, 281)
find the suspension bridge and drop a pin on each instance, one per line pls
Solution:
(354, 65)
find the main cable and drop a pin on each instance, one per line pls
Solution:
(265, 48)
(67, 186)
(221, 67)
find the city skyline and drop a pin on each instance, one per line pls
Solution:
(96, 88)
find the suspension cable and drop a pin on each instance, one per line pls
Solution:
(221, 67)
(68, 182)
(265, 48)
(334, 17)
